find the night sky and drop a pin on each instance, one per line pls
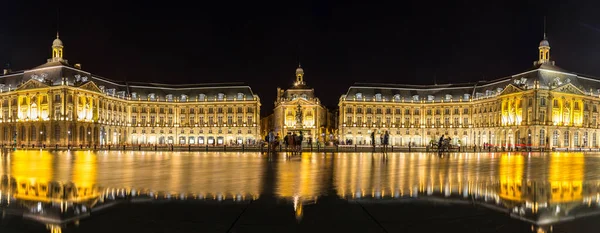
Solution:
(338, 43)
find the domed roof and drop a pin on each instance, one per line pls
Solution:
(544, 43)
(299, 69)
(57, 42)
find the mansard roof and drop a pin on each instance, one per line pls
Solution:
(547, 75)
(54, 72)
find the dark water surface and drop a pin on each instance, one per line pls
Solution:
(84, 191)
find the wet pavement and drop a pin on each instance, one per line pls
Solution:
(84, 191)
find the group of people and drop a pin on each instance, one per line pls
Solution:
(292, 141)
(384, 138)
(444, 143)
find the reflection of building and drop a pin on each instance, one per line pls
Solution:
(554, 190)
(543, 106)
(56, 103)
(31, 189)
(297, 109)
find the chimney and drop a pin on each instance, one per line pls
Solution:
(6, 71)
(78, 66)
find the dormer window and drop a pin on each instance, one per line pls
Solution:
(152, 96)
(184, 98)
(478, 94)
(240, 96)
(415, 97)
(397, 97)
(430, 98)
(448, 97)
(121, 93)
(134, 95)
(488, 92)
(101, 88)
(359, 95)
(111, 91)
(498, 90)
(202, 97)
(169, 97)
(466, 96)
(378, 97)
(304, 96)
(220, 96)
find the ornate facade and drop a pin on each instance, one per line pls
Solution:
(544, 106)
(57, 103)
(297, 109)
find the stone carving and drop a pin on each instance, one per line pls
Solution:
(299, 115)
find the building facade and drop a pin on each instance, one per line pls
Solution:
(544, 106)
(56, 103)
(297, 109)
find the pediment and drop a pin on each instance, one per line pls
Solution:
(90, 86)
(510, 88)
(300, 101)
(569, 88)
(32, 84)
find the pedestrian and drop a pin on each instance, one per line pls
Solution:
(300, 139)
(285, 141)
(271, 140)
(386, 141)
(440, 143)
(373, 140)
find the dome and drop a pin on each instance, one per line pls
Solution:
(544, 43)
(57, 42)
(299, 69)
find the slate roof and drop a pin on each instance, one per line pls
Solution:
(57, 70)
(548, 75)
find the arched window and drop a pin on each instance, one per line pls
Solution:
(542, 137)
(33, 133)
(566, 139)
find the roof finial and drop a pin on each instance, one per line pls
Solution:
(545, 28)
(299, 65)
(56, 34)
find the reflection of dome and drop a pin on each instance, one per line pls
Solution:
(544, 43)
(57, 42)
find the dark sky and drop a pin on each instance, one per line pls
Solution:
(338, 43)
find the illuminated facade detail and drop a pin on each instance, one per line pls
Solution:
(57, 50)
(298, 109)
(56, 103)
(544, 106)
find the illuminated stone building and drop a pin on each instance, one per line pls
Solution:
(544, 106)
(56, 103)
(298, 109)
